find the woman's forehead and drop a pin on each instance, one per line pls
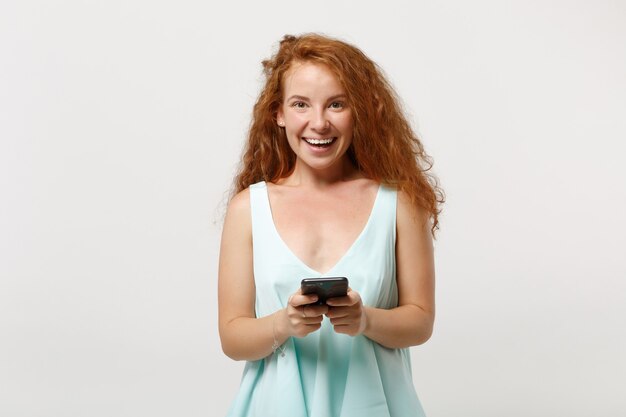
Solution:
(311, 77)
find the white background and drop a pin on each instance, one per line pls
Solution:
(121, 126)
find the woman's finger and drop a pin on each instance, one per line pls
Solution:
(315, 310)
(297, 300)
(350, 299)
(336, 312)
(339, 301)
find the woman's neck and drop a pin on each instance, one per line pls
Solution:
(304, 175)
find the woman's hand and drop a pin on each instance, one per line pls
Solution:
(347, 314)
(302, 318)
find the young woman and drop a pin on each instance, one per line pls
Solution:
(333, 183)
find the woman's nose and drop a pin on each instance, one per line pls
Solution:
(319, 121)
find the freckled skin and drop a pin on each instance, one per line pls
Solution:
(315, 107)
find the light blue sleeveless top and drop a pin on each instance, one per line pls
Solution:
(327, 374)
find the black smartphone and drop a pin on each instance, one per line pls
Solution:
(325, 288)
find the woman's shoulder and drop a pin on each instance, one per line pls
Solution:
(241, 200)
(239, 204)
(238, 220)
(409, 214)
(260, 184)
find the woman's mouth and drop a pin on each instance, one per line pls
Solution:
(320, 142)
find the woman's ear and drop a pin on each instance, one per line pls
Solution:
(279, 118)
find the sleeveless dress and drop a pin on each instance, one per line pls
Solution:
(327, 374)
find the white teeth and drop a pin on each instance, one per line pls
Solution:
(319, 141)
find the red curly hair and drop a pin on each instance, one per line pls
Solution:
(384, 146)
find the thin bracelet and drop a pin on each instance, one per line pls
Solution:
(275, 345)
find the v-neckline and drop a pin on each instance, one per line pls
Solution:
(346, 253)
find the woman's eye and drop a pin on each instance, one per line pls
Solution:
(336, 105)
(299, 105)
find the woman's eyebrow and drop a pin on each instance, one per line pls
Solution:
(336, 96)
(303, 98)
(297, 97)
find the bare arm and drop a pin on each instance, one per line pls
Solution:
(411, 323)
(243, 335)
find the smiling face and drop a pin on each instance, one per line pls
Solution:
(317, 120)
